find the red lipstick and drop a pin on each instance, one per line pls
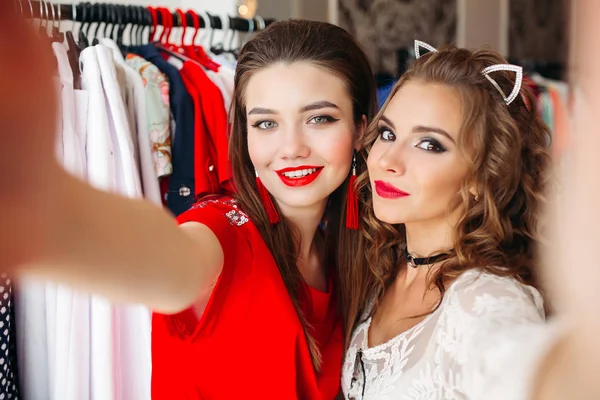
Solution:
(388, 191)
(301, 175)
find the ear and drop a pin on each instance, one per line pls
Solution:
(361, 130)
(473, 190)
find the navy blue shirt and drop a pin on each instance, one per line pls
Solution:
(181, 195)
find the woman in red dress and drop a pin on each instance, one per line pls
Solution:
(245, 292)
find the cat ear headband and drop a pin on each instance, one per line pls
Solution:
(486, 72)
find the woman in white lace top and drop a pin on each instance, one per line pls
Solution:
(457, 163)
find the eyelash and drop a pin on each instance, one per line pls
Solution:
(257, 124)
(382, 130)
(328, 119)
(434, 145)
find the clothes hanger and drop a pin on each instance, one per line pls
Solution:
(30, 8)
(73, 50)
(182, 22)
(111, 22)
(124, 19)
(135, 25)
(167, 21)
(164, 45)
(98, 9)
(197, 53)
(144, 20)
(219, 48)
(147, 21)
(43, 18)
(248, 36)
(85, 27)
(57, 35)
(153, 24)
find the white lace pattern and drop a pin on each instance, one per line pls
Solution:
(481, 343)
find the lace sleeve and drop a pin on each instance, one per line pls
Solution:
(504, 337)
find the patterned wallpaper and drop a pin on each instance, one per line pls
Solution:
(384, 26)
(537, 27)
(538, 30)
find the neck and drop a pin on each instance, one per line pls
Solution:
(305, 221)
(427, 238)
(424, 239)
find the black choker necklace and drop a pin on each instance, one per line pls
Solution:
(416, 262)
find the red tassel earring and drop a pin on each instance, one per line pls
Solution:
(267, 202)
(352, 199)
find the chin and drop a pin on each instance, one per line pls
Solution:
(388, 214)
(302, 199)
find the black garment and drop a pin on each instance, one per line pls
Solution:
(8, 348)
(181, 195)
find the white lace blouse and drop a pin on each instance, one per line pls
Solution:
(483, 342)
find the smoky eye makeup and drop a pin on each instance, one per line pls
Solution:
(385, 133)
(430, 144)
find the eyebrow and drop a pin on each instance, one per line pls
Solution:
(420, 128)
(260, 110)
(319, 105)
(425, 129)
(310, 107)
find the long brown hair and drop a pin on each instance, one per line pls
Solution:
(329, 47)
(506, 147)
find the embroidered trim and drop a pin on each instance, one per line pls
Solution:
(235, 216)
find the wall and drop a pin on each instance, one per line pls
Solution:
(278, 9)
(538, 30)
(384, 26)
(522, 29)
(316, 10)
(483, 23)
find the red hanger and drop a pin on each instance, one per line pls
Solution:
(154, 23)
(197, 53)
(167, 20)
(183, 18)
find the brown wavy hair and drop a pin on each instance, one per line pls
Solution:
(507, 150)
(329, 47)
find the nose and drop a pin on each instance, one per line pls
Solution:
(392, 161)
(293, 144)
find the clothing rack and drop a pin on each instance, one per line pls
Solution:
(130, 14)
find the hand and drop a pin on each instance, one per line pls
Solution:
(27, 130)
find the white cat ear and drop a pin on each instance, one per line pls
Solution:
(506, 67)
(419, 44)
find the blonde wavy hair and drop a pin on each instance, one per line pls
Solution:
(507, 149)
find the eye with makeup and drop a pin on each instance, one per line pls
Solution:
(386, 134)
(264, 125)
(431, 145)
(322, 120)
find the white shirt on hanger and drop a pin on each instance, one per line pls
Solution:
(47, 367)
(149, 179)
(128, 181)
(100, 153)
(223, 79)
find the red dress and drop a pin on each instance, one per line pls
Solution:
(249, 343)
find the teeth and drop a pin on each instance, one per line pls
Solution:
(300, 173)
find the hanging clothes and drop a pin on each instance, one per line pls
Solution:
(9, 381)
(139, 128)
(158, 113)
(84, 347)
(137, 125)
(181, 187)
